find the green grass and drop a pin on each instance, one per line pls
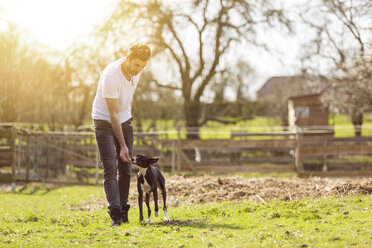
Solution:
(215, 130)
(344, 128)
(48, 217)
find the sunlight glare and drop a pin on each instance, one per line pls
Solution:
(56, 23)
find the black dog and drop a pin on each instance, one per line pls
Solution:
(149, 178)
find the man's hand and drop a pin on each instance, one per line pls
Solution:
(124, 154)
(113, 107)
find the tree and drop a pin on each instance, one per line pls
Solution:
(30, 85)
(229, 102)
(84, 63)
(151, 103)
(342, 41)
(192, 39)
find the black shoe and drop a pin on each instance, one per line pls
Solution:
(116, 218)
(124, 212)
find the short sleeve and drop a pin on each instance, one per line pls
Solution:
(110, 87)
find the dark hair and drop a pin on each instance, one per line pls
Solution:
(139, 50)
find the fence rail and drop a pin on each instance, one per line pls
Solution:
(73, 156)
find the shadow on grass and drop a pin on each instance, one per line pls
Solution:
(43, 188)
(193, 223)
(37, 189)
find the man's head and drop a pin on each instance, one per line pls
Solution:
(138, 56)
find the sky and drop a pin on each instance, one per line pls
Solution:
(59, 23)
(56, 23)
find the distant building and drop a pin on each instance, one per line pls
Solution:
(309, 111)
(273, 95)
(286, 86)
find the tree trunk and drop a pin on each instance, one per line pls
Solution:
(192, 115)
(357, 120)
(84, 108)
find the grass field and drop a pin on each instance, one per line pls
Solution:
(41, 216)
(215, 130)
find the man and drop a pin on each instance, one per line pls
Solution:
(112, 121)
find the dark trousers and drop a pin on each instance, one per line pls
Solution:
(116, 188)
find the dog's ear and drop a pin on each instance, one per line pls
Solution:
(153, 160)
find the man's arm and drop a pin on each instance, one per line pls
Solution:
(113, 108)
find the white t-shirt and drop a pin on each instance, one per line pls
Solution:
(113, 84)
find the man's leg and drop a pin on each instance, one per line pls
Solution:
(106, 146)
(125, 169)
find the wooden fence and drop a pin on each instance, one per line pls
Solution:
(72, 157)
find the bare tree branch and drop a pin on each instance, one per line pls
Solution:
(166, 86)
(226, 121)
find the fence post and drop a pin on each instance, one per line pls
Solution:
(325, 167)
(173, 157)
(19, 156)
(36, 158)
(28, 157)
(49, 141)
(178, 150)
(13, 156)
(298, 149)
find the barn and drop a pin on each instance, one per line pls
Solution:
(308, 111)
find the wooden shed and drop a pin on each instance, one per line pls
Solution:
(307, 111)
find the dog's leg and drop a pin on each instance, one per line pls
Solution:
(140, 201)
(164, 194)
(156, 202)
(147, 200)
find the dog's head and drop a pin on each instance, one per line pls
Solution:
(143, 161)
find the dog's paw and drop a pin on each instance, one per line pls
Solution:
(166, 215)
(156, 214)
(148, 220)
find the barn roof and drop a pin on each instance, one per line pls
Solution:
(304, 96)
(289, 83)
(273, 82)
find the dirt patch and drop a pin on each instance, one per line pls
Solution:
(194, 190)
(5, 187)
(189, 191)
